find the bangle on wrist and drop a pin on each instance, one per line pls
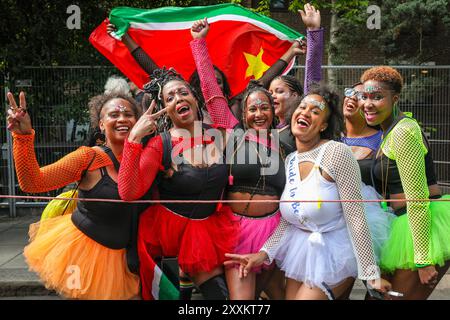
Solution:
(422, 265)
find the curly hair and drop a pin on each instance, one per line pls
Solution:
(385, 74)
(335, 118)
(159, 78)
(97, 103)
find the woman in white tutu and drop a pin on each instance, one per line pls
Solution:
(321, 246)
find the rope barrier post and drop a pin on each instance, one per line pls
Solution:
(10, 161)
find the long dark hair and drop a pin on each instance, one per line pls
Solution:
(194, 81)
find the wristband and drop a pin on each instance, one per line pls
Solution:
(422, 265)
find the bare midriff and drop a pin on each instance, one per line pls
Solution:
(254, 209)
(434, 189)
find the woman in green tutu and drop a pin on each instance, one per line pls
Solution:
(417, 253)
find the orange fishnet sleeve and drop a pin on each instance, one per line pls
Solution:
(34, 179)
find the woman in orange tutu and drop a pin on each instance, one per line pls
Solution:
(80, 255)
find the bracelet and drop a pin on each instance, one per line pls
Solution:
(301, 40)
(422, 265)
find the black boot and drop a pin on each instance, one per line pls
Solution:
(214, 288)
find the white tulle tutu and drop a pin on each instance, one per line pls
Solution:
(379, 221)
(328, 257)
(317, 258)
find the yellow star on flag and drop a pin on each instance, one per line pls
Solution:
(256, 66)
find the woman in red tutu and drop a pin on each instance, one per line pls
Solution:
(186, 166)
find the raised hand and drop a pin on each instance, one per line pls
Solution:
(146, 124)
(310, 17)
(200, 29)
(18, 118)
(110, 28)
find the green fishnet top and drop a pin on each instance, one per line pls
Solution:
(404, 145)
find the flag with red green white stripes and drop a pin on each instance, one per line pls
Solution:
(161, 287)
(242, 43)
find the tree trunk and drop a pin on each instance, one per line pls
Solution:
(332, 76)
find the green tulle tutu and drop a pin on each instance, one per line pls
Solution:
(398, 251)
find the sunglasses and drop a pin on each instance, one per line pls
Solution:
(350, 92)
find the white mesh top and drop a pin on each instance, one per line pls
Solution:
(339, 163)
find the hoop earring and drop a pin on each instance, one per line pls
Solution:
(361, 113)
(395, 110)
(166, 123)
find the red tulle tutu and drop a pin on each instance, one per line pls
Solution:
(200, 245)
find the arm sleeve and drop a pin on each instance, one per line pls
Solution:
(314, 54)
(139, 167)
(275, 70)
(272, 242)
(34, 179)
(347, 176)
(216, 103)
(409, 152)
(144, 60)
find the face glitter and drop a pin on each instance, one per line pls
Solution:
(320, 104)
(121, 108)
(371, 89)
(259, 103)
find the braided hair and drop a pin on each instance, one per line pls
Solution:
(159, 78)
(292, 83)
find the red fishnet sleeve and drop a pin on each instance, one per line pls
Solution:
(216, 103)
(34, 179)
(139, 167)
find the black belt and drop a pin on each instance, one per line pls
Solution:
(402, 211)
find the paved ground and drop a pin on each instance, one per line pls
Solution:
(16, 282)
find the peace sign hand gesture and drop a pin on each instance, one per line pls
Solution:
(18, 119)
(146, 124)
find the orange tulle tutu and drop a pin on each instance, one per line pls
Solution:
(76, 266)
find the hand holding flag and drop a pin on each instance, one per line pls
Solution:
(242, 43)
